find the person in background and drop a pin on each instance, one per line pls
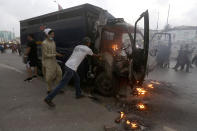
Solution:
(50, 68)
(19, 49)
(1, 48)
(32, 58)
(187, 53)
(180, 60)
(72, 64)
(194, 60)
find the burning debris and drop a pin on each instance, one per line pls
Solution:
(141, 106)
(134, 106)
(140, 91)
(150, 86)
(130, 123)
(122, 116)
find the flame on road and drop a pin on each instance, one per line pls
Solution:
(141, 91)
(150, 86)
(122, 115)
(128, 122)
(141, 106)
(134, 125)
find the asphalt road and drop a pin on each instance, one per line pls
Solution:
(22, 107)
(173, 105)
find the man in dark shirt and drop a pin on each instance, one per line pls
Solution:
(32, 58)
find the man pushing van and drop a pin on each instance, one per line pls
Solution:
(72, 64)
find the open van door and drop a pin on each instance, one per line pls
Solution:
(160, 50)
(140, 48)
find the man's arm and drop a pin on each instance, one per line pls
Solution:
(96, 55)
(28, 49)
(59, 55)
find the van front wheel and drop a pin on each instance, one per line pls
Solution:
(105, 85)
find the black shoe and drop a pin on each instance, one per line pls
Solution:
(28, 79)
(61, 92)
(48, 92)
(49, 102)
(80, 96)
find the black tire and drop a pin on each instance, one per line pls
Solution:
(106, 85)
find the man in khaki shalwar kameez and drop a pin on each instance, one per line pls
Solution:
(51, 70)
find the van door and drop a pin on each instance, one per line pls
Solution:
(140, 48)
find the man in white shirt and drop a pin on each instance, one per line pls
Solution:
(72, 64)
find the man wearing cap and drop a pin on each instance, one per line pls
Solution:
(78, 55)
(51, 70)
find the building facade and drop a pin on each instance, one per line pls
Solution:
(6, 36)
(184, 34)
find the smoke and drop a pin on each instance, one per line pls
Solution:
(181, 12)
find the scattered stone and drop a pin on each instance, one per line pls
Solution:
(110, 128)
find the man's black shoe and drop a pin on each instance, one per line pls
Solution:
(48, 92)
(80, 96)
(61, 92)
(49, 102)
(28, 79)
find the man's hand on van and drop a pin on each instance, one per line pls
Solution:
(59, 55)
(97, 55)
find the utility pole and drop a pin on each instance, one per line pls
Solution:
(168, 14)
(157, 22)
(13, 34)
(59, 6)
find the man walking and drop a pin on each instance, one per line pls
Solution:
(194, 60)
(188, 53)
(32, 58)
(78, 55)
(50, 68)
(180, 60)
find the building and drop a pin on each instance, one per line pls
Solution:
(184, 34)
(6, 36)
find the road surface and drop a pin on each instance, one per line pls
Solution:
(22, 107)
(173, 105)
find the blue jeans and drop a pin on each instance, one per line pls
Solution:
(69, 73)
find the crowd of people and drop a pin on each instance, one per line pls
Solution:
(51, 69)
(15, 48)
(184, 58)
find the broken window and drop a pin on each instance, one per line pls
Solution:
(109, 35)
